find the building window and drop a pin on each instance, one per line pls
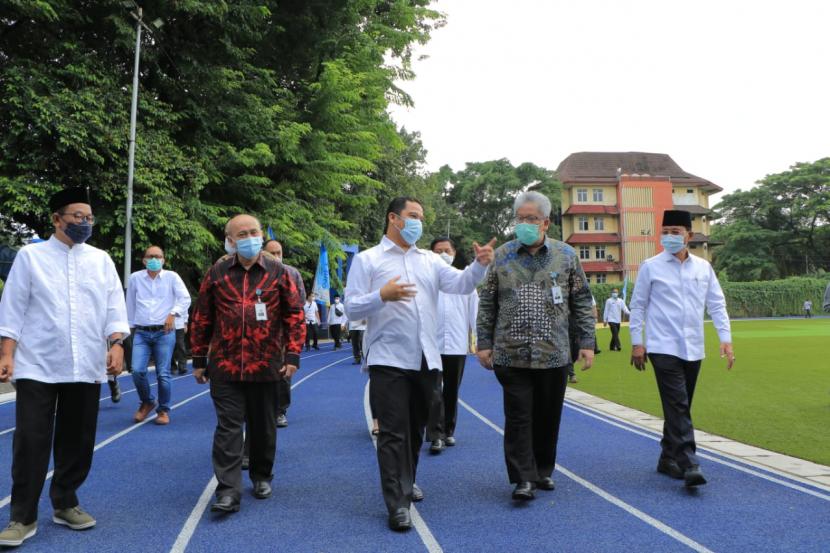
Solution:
(582, 194)
(584, 252)
(599, 223)
(690, 191)
(583, 223)
(600, 252)
(597, 194)
(601, 278)
(588, 278)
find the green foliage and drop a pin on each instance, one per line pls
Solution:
(779, 228)
(770, 298)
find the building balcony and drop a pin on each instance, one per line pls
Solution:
(700, 238)
(601, 267)
(693, 209)
(594, 238)
(592, 209)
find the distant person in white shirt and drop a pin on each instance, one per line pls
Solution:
(456, 328)
(612, 317)
(808, 309)
(337, 320)
(395, 286)
(155, 299)
(62, 322)
(672, 290)
(312, 321)
(356, 329)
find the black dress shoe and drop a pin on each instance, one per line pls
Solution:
(115, 391)
(524, 491)
(225, 504)
(400, 521)
(669, 467)
(262, 489)
(417, 494)
(449, 441)
(693, 477)
(437, 446)
(546, 484)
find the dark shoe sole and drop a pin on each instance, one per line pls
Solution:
(398, 527)
(523, 496)
(232, 509)
(694, 481)
(670, 473)
(262, 496)
(547, 487)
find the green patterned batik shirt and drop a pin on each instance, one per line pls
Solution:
(517, 315)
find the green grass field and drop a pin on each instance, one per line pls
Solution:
(777, 396)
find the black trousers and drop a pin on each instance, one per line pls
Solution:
(533, 400)
(179, 361)
(401, 400)
(676, 380)
(615, 337)
(335, 330)
(442, 417)
(236, 402)
(311, 334)
(356, 337)
(283, 395)
(70, 412)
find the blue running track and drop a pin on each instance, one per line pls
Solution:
(150, 486)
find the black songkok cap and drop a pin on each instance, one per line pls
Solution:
(76, 195)
(677, 218)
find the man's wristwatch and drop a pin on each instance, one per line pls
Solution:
(117, 342)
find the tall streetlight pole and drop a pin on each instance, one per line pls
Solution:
(128, 230)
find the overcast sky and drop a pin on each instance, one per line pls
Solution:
(733, 90)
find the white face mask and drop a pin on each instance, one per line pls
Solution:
(447, 257)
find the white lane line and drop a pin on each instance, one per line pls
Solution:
(189, 528)
(6, 500)
(104, 398)
(630, 509)
(587, 412)
(421, 527)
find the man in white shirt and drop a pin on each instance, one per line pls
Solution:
(395, 286)
(336, 319)
(178, 364)
(456, 330)
(670, 295)
(312, 321)
(62, 307)
(155, 299)
(808, 309)
(612, 316)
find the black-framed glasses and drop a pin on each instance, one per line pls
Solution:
(79, 217)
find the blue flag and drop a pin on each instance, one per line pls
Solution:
(322, 281)
(625, 287)
(271, 235)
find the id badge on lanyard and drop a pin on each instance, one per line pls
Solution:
(261, 312)
(556, 290)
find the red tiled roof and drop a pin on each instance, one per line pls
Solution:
(588, 209)
(594, 238)
(600, 267)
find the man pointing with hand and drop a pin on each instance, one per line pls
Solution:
(395, 286)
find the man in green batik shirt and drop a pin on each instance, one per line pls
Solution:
(534, 290)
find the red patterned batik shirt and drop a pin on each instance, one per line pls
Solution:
(226, 334)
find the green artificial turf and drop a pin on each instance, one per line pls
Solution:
(777, 396)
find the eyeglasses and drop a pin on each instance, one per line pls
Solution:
(532, 219)
(79, 217)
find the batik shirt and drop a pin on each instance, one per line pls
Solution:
(518, 315)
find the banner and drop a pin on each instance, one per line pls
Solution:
(322, 280)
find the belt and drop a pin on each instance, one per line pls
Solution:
(152, 328)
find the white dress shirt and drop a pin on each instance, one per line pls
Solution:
(181, 322)
(670, 297)
(399, 333)
(334, 318)
(456, 322)
(151, 300)
(312, 314)
(359, 324)
(60, 304)
(614, 308)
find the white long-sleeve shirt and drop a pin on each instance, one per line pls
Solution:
(614, 308)
(670, 297)
(60, 304)
(334, 318)
(456, 322)
(151, 300)
(399, 333)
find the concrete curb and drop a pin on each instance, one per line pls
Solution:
(785, 465)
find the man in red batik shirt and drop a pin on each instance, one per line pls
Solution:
(249, 311)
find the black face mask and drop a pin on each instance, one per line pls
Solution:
(78, 232)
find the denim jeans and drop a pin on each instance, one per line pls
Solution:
(160, 345)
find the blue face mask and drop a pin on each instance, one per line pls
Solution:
(672, 243)
(614, 295)
(527, 234)
(154, 264)
(412, 230)
(78, 232)
(249, 247)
